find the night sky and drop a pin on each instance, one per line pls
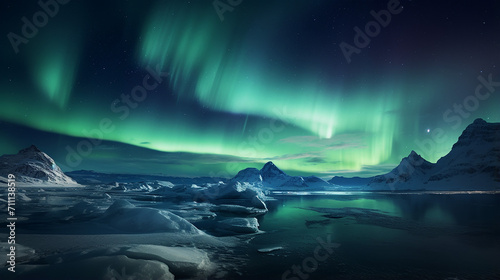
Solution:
(197, 88)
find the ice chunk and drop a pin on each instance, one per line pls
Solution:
(238, 209)
(80, 210)
(183, 262)
(23, 253)
(239, 225)
(103, 267)
(124, 216)
(270, 249)
(236, 194)
(22, 197)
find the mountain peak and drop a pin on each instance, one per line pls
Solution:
(30, 149)
(479, 121)
(32, 166)
(271, 171)
(478, 132)
(271, 176)
(476, 124)
(413, 154)
(270, 167)
(269, 163)
(414, 159)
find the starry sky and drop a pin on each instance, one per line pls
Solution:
(207, 88)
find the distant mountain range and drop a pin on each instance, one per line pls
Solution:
(472, 164)
(349, 181)
(92, 177)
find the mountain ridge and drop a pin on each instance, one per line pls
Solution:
(31, 166)
(472, 163)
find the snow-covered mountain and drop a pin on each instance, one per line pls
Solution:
(34, 167)
(413, 170)
(248, 175)
(473, 163)
(270, 176)
(313, 181)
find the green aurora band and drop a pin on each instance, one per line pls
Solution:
(303, 120)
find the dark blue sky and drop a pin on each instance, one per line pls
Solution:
(195, 88)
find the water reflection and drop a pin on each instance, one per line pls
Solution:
(388, 235)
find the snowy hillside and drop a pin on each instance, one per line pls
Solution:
(411, 172)
(92, 177)
(472, 164)
(474, 161)
(33, 167)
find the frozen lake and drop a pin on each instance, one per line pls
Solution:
(327, 235)
(382, 236)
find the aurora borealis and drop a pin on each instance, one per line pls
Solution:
(171, 88)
